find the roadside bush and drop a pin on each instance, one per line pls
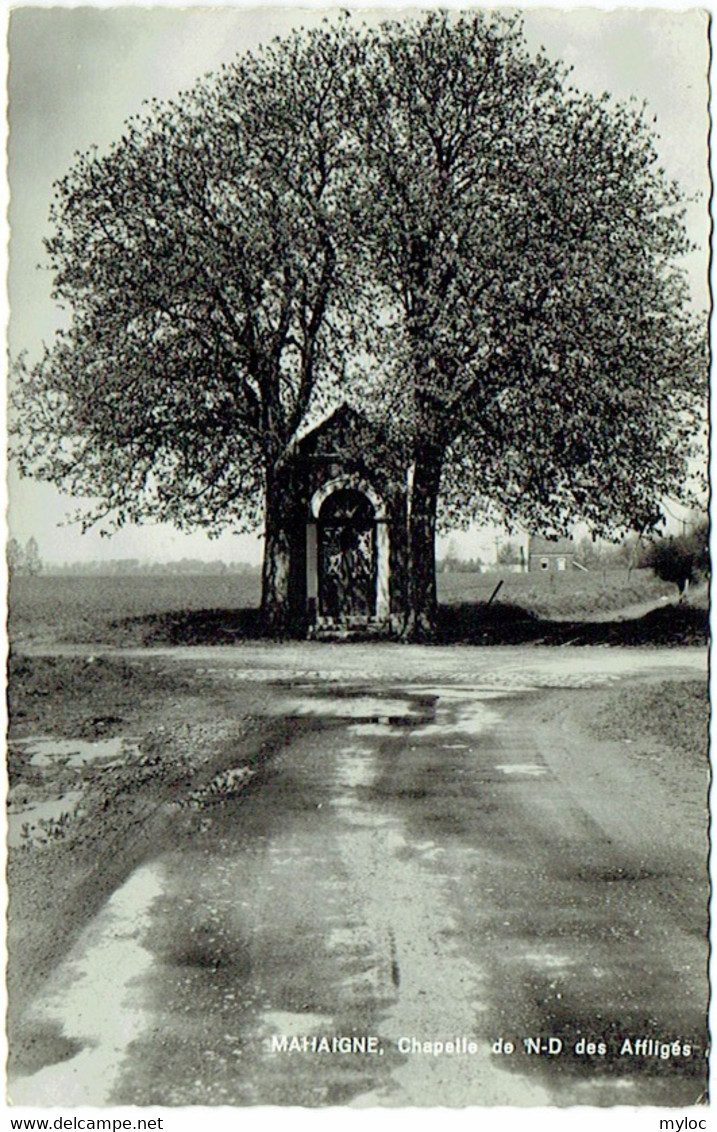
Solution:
(683, 558)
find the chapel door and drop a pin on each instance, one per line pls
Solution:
(347, 556)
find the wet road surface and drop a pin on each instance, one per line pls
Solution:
(416, 868)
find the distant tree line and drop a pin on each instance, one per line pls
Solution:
(451, 564)
(131, 566)
(610, 555)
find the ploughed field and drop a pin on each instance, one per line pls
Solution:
(136, 609)
(79, 607)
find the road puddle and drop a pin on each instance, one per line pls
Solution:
(423, 711)
(550, 961)
(525, 770)
(356, 768)
(372, 730)
(38, 821)
(468, 717)
(358, 706)
(53, 753)
(90, 998)
(47, 781)
(469, 693)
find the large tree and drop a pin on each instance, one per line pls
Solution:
(519, 244)
(202, 264)
(528, 244)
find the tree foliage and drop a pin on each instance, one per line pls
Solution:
(508, 554)
(23, 559)
(200, 260)
(528, 243)
(532, 244)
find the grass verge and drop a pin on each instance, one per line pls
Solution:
(671, 712)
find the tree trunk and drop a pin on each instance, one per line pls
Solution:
(422, 617)
(275, 603)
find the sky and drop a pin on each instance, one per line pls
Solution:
(76, 74)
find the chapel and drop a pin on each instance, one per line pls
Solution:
(348, 536)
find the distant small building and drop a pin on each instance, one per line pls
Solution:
(550, 555)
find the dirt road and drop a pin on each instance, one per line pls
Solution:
(433, 868)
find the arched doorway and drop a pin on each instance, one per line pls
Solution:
(347, 556)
